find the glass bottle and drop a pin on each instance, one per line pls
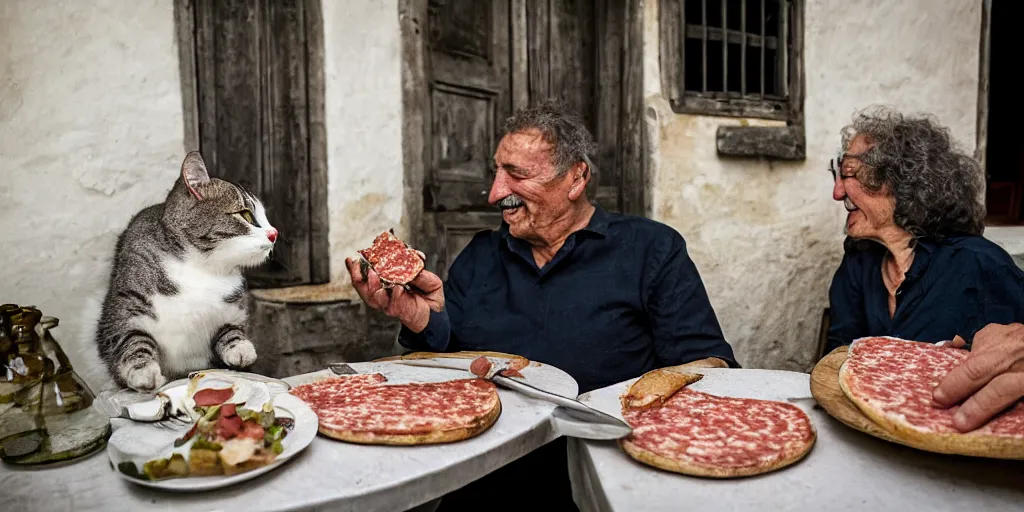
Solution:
(22, 425)
(72, 392)
(46, 410)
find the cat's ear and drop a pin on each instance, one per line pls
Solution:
(193, 173)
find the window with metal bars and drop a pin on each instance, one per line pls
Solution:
(731, 57)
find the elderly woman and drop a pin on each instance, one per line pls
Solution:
(916, 265)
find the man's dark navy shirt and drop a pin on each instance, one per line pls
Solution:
(954, 287)
(621, 297)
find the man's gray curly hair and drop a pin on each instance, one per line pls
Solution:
(560, 127)
(937, 185)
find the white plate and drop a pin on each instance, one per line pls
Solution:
(275, 385)
(114, 400)
(136, 441)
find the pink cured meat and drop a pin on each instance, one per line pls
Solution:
(720, 432)
(366, 403)
(392, 259)
(480, 366)
(212, 396)
(897, 377)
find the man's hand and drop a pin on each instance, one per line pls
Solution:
(992, 376)
(411, 308)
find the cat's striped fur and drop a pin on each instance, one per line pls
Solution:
(174, 301)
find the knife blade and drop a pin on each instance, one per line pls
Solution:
(604, 426)
(451, 363)
(341, 369)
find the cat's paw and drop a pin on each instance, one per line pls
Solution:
(146, 378)
(241, 354)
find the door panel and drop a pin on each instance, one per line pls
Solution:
(256, 86)
(469, 94)
(454, 232)
(567, 62)
(469, 84)
(466, 72)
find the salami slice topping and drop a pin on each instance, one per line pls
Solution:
(511, 373)
(392, 259)
(368, 404)
(212, 396)
(896, 377)
(697, 429)
(480, 366)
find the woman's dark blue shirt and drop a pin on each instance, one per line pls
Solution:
(954, 286)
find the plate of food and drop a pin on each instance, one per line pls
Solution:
(238, 427)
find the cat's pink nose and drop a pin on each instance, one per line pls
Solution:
(272, 234)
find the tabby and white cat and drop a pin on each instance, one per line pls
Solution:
(174, 299)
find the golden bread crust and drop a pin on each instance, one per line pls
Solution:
(970, 444)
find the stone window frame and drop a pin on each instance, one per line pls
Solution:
(778, 142)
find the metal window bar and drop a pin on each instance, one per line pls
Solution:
(725, 47)
(743, 48)
(744, 39)
(762, 47)
(704, 44)
(782, 73)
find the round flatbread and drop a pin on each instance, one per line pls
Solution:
(695, 433)
(891, 381)
(366, 409)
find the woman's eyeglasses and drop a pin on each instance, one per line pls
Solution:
(835, 173)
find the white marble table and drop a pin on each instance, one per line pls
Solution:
(328, 475)
(845, 471)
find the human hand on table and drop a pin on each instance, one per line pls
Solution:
(411, 308)
(990, 379)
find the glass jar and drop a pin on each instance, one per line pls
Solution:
(47, 412)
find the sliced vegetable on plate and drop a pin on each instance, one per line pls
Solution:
(236, 429)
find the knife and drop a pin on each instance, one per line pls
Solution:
(598, 425)
(341, 369)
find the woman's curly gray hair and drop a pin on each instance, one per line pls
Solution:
(937, 185)
(561, 128)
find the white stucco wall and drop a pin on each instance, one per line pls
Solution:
(364, 128)
(767, 237)
(90, 132)
(1010, 238)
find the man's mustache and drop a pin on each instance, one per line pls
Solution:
(510, 201)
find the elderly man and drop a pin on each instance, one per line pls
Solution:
(605, 297)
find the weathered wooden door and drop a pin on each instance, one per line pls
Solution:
(253, 86)
(468, 64)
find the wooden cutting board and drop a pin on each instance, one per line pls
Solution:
(825, 389)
